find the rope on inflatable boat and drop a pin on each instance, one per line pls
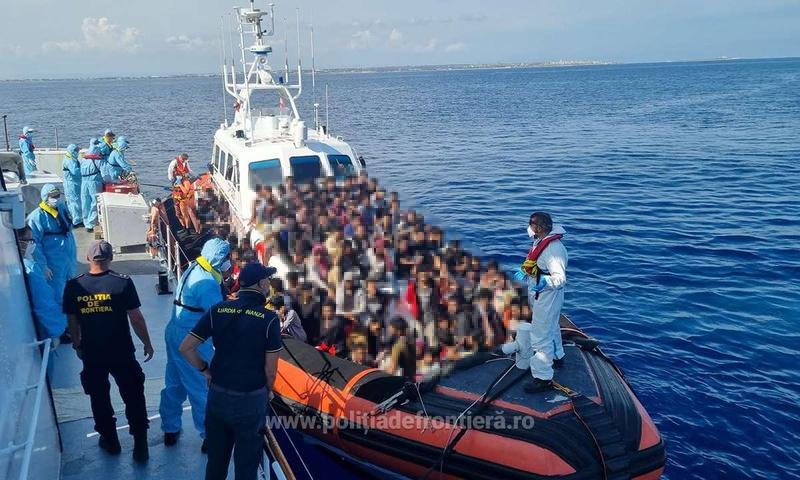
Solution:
(485, 399)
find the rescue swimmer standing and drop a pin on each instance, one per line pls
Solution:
(545, 269)
(247, 339)
(99, 305)
(199, 288)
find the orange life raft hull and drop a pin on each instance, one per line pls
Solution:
(595, 428)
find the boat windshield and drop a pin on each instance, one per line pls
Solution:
(265, 172)
(342, 166)
(305, 169)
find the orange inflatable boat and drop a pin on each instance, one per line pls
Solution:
(475, 421)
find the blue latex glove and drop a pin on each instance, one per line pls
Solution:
(520, 275)
(540, 285)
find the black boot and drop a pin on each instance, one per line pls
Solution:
(110, 443)
(141, 452)
(537, 385)
(170, 438)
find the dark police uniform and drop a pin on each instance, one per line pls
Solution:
(243, 331)
(101, 302)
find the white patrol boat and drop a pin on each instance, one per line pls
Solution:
(266, 143)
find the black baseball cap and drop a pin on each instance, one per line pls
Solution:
(253, 273)
(100, 251)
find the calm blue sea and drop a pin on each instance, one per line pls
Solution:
(678, 184)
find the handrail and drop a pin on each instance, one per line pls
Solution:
(28, 443)
(173, 258)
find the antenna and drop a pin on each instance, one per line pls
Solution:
(230, 44)
(286, 50)
(299, 64)
(224, 73)
(327, 116)
(314, 76)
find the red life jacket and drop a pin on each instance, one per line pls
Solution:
(529, 266)
(33, 147)
(539, 248)
(181, 167)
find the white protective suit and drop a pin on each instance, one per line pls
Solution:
(546, 310)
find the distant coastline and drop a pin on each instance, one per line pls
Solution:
(469, 66)
(422, 68)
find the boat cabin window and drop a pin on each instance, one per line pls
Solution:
(342, 166)
(232, 170)
(305, 169)
(265, 172)
(214, 156)
(219, 162)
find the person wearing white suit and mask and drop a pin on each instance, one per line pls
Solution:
(545, 270)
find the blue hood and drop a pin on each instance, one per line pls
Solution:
(73, 150)
(216, 251)
(121, 143)
(47, 189)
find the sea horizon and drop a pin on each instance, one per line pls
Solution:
(564, 63)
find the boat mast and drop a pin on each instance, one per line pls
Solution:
(314, 77)
(256, 72)
(299, 58)
(224, 68)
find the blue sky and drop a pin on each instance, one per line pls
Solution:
(50, 38)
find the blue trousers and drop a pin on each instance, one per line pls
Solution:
(233, 424)
(183, 380)
(90, 187)
(72, 192)
(29, 161)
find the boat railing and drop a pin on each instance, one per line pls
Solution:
(27, 445)
(170, 251)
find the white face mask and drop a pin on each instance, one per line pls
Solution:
(530, 232)
(225, 266)
(52, 202)
(29, 249)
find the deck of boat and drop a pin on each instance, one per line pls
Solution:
(81, 458)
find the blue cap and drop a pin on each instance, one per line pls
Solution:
(253, 273)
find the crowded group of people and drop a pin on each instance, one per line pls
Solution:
(365, 280)
(335, 263)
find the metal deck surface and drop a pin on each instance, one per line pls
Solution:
(81, 458)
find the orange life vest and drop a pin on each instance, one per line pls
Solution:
(181, 167)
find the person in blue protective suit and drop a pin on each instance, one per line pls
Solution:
(198, 289)
(50, 320)
(26, 149)
(117, 166)
(106, 144)
(94, 146)
(51, 231)
(72, 183)
(91, 184)
(545, 270)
